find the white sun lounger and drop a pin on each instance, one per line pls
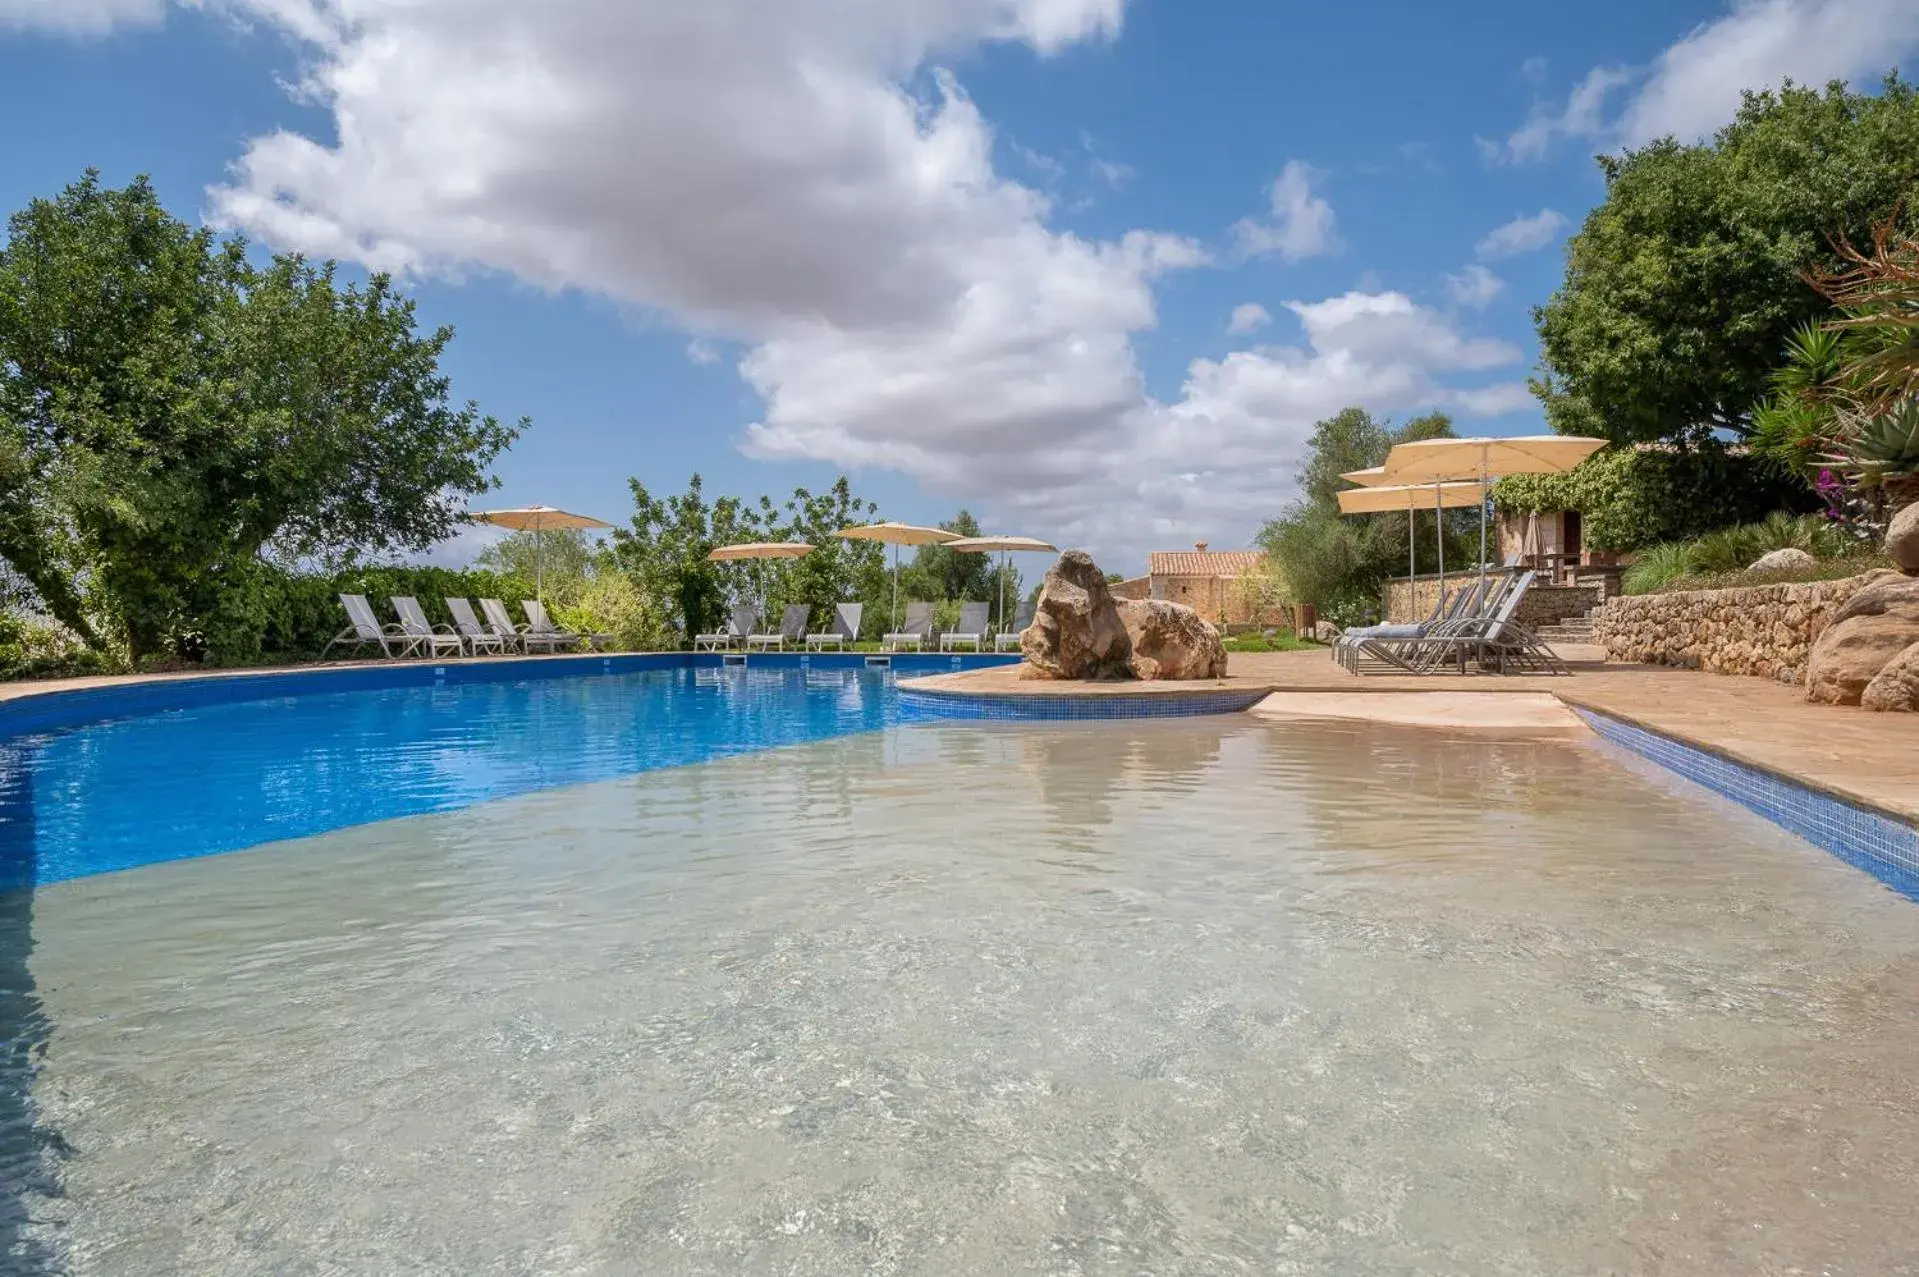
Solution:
(431, 638)
(846, 628)
(477, 636)
(744, 621)
(538, 622)
(1008, 639)
(914, 632)
(792, 629)
(971, 627)
(364, 629)
(500, 624)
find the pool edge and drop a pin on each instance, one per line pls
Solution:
(1870, 838)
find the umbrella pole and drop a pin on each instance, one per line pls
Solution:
(1439, 538)
(1482, 514)
(539, 569)
(893, 617)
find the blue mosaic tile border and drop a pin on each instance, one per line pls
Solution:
(53, 710)
(1883, 846)
(930, 705)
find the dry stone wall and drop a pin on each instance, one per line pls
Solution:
(1762, 630)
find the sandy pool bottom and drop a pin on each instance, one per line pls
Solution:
(1183, 997)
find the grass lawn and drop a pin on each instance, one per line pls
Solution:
(1281, 642)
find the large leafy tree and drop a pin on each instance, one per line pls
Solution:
(666, 542)
(1339, 562)
(170, 411)
(1686, 283)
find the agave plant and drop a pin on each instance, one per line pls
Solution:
(1881, 453)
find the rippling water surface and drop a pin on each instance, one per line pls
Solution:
(1141, 997)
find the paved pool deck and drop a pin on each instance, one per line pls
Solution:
(1863, 757)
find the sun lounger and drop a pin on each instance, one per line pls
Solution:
(538, 622)
(1498, 640)
(971, 627)
(917, 628)
(744, 620)
(478, 637)
(1395, 647)
(364, 629)
(846, 628)
(499, 623)
(431, 638)
(1008, 639)
(792, 629)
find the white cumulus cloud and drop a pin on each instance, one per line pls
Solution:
(801, 179)
(1301, 225)
(1692, 88)
(1522, 235)
(1248, 317)
(1474, 288)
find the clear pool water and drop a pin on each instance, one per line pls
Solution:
(1193, 996)
(217, 777)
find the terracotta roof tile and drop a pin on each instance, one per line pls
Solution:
(1210, 563)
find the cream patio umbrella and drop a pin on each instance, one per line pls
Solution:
(755, 550)
(1410, 497)
(1002, 545)
(1485, 459)
(538, 519)
(897, 535)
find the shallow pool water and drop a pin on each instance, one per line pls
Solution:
(1196, 996)
(216, 777)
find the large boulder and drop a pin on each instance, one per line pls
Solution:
(1784, 560)
(1876, 625)
(1896, 687)
(1170, 641)
(1076, 631)
(1902, 539)
(1325, 632)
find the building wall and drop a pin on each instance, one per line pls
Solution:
(1763, 630)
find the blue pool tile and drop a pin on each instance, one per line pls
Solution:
(1879, 843)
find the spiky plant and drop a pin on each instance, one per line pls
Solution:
(1880, 454)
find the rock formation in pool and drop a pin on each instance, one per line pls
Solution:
(1080, 631)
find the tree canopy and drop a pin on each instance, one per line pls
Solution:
(1683, 287)
(170, 411)
(1339, 562)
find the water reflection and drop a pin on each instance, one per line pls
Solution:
(29, 1151)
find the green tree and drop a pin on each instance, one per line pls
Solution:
(938, 574)
(170, 412)
(838, 570)
(562, 561)
(664, 548)
(1684, 285)
(1336, 562)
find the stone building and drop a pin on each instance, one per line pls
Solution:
(1204, 579)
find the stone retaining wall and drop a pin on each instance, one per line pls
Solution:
(1761, 630)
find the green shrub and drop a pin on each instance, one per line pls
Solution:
(610, 603)
(268, 614)
(1729, 552)
(33, 648)
(1630, 499)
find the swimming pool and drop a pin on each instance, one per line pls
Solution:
(1175, 996)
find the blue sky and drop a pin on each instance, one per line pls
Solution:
(977, 252)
